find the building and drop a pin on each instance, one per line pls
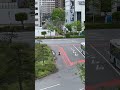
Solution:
(115, 6)
(8, 9)
(37, 13)
(74, 11)
(43, 9)
(60, 4)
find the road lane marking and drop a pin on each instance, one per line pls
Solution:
(50, 87)
(67, 58)
(82, 89)
(74, 52)
(106, 60)
(79, 51)
(62, 55)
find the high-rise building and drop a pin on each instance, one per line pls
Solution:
(59, 3)
(43, 9)
(74, 11)
(37, 13)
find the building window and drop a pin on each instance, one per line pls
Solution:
(36, 19)
(36, 24)
(36, 13)
(35, 2)
(36, 8)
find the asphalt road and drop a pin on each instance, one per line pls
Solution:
(66, 78)
(99, 71)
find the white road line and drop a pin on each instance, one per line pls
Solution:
(78, 51)
(74, 52)
(82, 89)
(50, 87)
(72, 49)
(106, 60)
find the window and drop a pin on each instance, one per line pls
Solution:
(36, 24)
(36, 13)
(36, 19)
(36, 8)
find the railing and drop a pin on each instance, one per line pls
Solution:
(8, 5)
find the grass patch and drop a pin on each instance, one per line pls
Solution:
(44, 61)
(81, 68)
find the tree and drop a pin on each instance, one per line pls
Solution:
(58, 17)
(44, 33)
(106, 7)
(101, 5)
(68, 26)
(50, 28)
(23, 3)
(21, 17)
(116, 16)
(77, 25)
(19, 61)
(95, 5)
(58, 14)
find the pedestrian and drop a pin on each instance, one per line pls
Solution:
(59, 53)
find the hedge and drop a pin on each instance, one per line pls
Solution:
(102, 26)
(16, 28)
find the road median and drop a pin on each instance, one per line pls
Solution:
(44, 61)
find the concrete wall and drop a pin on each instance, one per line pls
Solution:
(38, 31)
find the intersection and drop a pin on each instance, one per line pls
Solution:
(66, 78)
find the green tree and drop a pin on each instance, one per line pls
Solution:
(116, 16)
(106, 7)
(21, 17)
(19, 60)
(58, 17)
(77, 25)
(58, 14)
(68, 26)
(44, 33)
(50, 28)
(95, 5)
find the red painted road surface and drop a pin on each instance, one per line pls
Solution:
(67, 60)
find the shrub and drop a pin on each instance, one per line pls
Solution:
(102, 26)
(16, 28)
(67, 35)
(46, 68)
(68, 26)
(97, 19)
(116, 16)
